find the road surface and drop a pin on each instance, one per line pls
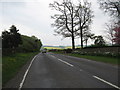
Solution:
(48, 70)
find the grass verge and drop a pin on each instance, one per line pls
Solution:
(104, 59)
(12, 64)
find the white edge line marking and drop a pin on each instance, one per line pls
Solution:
(21, 84)
(66, 62)
(106, 82)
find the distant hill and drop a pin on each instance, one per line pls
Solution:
(58, 47)
(52, 47)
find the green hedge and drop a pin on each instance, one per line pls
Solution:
(29, 44)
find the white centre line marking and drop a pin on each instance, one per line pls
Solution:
(107, 82)
(53, 56)
(23, 80)
(66, 62)
(63, 61)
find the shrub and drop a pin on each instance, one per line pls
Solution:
(68, 50)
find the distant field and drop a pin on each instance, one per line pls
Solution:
(66, 47)
(52, 48)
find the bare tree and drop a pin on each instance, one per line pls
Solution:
(112, 7)
(72, 20)
(64, 19)
(87, 36)
(109, 32)
(84, 16)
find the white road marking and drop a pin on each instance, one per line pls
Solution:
(63, 61)
(93, 76)
(66, 62)
(52, 56)
(107, 82)
(24, 77)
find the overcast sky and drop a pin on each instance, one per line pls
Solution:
(32, 17)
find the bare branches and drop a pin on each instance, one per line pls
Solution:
(84, 15)
(71, 18)
(64, 21)
(109, 32)
(112, 7)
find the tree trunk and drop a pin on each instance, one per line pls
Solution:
(73, 42)
(112, 42)
(86, 42)
(81, 38)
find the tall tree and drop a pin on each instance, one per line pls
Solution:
(11, 39)
(15, 36)
(109, 32)
(72, 19)
(112, 7)
(6, 41)
(64, 19)
(84, 16)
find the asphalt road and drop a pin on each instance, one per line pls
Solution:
(48, 70)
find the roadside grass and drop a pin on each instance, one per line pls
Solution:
(104, 59)
(110, 60)
(12, 64)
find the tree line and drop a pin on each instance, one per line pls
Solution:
(13, 41)
(74, 20)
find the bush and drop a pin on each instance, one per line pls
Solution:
(30, 44)
(68, 50)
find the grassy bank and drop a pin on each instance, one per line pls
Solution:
(104, 59)
(13, 63)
